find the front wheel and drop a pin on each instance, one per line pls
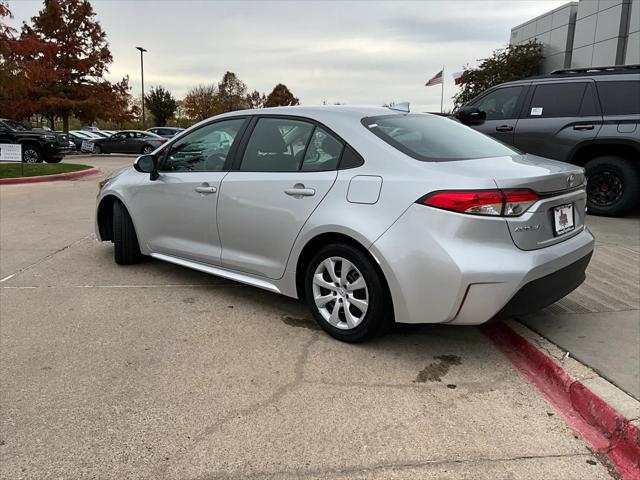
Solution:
(613, 185)
(345, 293)
(125, 240)
(97, 149)
(31, 154)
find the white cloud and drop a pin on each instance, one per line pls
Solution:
(356, 52)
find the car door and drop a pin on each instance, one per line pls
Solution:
(557, 117)
(177, 212)
(115, 143)
(286, 168)
(501, 107)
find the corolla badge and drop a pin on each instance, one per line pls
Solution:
(571, 179)
(526, 228)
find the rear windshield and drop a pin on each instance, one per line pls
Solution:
(431, 138)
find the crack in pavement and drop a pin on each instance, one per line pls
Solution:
(296, 474)
(45, 258)
(279, 393)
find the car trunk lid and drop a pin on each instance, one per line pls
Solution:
(557, 216)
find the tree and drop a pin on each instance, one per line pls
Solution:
(161, 104)
(201, 102)
(232, 93)
(281, 96)
(255, 99)
(73, 65)
(513, 62)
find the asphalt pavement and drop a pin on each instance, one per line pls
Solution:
(154, 371)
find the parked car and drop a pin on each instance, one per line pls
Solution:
(37, 145)
(370, 214)
(79, 136)
(128, 141)
(587, 116)
(166, 132)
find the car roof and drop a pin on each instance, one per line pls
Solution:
(620, 73)
(354, 111)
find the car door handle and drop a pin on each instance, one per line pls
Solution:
(206, 189)
(504, 128)
(299, 190)
(583, 127)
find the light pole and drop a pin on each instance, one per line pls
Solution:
(142, 50)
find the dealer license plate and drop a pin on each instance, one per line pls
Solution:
(563, 219)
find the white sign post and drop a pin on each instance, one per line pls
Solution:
(10, 152)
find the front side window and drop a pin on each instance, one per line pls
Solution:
(500, 104)
(556, 100)
(434, 138)
(205, 149)
(276, 145)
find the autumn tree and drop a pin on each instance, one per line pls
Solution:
(201, 102)
(161, 104)
(511, 63)
(78, 60)
(232, 93)
(281, 96)
(255, 99)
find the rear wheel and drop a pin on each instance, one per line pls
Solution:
(345, 293)
(31, 154)
(613, 185)
(125, 241)
(147, 149)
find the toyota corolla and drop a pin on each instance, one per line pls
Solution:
(371, 215)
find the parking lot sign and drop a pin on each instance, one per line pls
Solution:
(10, 152)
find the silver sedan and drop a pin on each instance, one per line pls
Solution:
(371, 215)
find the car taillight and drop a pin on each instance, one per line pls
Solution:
(507, 203)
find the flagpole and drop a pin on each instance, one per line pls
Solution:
(442, 93)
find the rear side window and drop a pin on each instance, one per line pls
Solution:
(556, 100)
(620, 98)
(434, 138)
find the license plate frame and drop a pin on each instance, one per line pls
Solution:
(563, 219)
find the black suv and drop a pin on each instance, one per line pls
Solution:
(589, 117)
(37, 145)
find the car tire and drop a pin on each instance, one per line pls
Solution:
(125, 241)
(147, 149)
(31, 154)
(368, 305)
(613, 185)
(97, 150)
(53, 160)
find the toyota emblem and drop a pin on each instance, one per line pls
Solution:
(571, 180)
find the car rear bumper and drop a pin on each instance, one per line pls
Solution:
(444, 267)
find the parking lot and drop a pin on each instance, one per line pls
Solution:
(156, 371)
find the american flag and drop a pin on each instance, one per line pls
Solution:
(436, 80)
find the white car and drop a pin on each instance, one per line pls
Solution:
(371, 215)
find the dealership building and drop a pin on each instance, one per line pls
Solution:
(587, 33)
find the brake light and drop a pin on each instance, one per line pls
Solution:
(507, 203)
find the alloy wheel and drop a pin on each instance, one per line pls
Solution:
(604, 188)
(30, 155)
(147, 150)
(340, 293)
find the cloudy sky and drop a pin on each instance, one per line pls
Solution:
(359, 52)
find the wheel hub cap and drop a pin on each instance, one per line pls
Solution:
(340, 293)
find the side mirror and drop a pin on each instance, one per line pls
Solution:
(471, 116)
(147, 164)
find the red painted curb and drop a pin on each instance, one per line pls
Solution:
(602, 427)
(51, 178)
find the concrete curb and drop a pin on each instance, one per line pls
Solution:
(51, 178)
(601, 426)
